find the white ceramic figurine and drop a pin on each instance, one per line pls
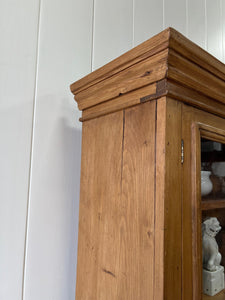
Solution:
(211, 256)
(213, 272)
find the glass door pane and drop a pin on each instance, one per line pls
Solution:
(213, 218)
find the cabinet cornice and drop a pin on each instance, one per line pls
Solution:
(167, 64)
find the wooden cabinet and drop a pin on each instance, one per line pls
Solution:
(147, 117)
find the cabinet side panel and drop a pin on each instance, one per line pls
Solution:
(98, 244)
(173, 202)
(136, 228)
(159, 199)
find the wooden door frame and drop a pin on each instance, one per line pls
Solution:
(196, 124)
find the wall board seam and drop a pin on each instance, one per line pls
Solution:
(31, 151)
(206, 28)
(92, 35)
(133, 22)
(187, 20)
(222, 27)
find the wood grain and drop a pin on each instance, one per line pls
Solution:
(187, 64)
(195, 98)
(141, 208)
(173, 201)
(187, 263)
(167, 38)
(125, 101)
(213, 204)
(171, 89)
(189, 74)
(97, 271)
(142, 95)
(147, 49)
(137, 205)
(138, 75)
(116, 229)
(196, 54)
(159, 276)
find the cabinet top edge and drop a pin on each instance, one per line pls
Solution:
(150, 47)
(167, 39)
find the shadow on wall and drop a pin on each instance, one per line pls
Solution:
(71, 158)
(54, 199)
(15, 133)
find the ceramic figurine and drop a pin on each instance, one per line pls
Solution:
(213, 272)
(211, 255)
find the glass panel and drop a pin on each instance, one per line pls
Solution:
(213, 219)
(213, 169)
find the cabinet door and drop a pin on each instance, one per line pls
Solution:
(203, 204)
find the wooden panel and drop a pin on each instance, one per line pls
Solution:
(116, 239)
(136, 261)
(18, 30)
(139, 75)
(214, 28)
(175, 14)
(192, 119)
(100, 209)
(187, 64)
(139, 53)
(160, 200)
(191, 75)
(213, 204)
(173, 201)
(148, 19)
(112, 30)
(130, 99)
(195, 98)
(196, 54)
(190, 210)
(168, 38)
(196, 29)
(53, 216)
(155, 90)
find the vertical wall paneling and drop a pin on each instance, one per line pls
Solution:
(64, 55)
(223, 27)
(148, 19)
(196, 22)
(18, 31)
(175, 15)
(113, 30)
(74, 35)
(214, 28)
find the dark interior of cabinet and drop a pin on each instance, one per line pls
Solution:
(213, 204)
(213, 160)
(212, 151)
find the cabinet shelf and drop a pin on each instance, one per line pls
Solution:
(220, 296)
(212, 204)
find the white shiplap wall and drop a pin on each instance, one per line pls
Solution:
(45, 46)
(18, 52)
